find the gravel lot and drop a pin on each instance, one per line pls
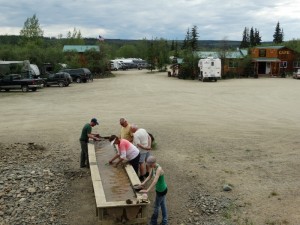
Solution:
(240, 133)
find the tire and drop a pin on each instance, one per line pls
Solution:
(7, 90)
(61, 84)
(67, 84)
(216, 80)
(25, 88)
(78, 80)
(34, 89)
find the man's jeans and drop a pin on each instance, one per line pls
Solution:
(160, 202)
(84, 156)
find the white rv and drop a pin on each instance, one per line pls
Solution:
(29, 69)
(210, 69)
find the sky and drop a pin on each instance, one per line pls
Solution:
(138, 19)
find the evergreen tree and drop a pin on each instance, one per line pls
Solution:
(173, 45)
(278, 34)
(251, 38)
(245, 42)
(187, 39)
(194, 38)
(176, 54)
(257, 38)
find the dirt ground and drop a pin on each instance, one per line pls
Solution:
(242, 132)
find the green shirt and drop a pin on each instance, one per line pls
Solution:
(87, 129)
(161, 184)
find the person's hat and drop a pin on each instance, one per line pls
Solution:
(113, 141)
(94, 120)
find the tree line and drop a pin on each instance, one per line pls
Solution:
(252, 38)
(31, 45)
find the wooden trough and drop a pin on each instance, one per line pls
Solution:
(116, 200)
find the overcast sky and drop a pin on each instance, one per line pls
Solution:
(169, 19)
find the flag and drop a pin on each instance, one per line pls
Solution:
(100, 38)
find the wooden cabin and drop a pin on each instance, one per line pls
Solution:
(273, 61)
(81, 49)
(231, 60)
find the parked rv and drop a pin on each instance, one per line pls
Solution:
(19, 67)
(296, 74)
(210, 69)
(127, 63)
(117, 65)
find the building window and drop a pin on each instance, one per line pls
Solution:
(233, 64)
(296, 64)
(283, 64)
(262, 53)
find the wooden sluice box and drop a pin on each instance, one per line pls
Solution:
(113, 188)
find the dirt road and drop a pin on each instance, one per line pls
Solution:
(239, 132)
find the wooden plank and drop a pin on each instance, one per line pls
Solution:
(92, 154)
(121, 204)
(95, 175)
(99, 193)
(134, 179)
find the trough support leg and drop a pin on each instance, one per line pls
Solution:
(100, 214)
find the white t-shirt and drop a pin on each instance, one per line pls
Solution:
(141, 137)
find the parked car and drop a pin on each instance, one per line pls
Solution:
(79, 75)
(16, 81)
(61, 79)
(296, 74)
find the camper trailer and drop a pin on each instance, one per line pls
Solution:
(117, 65)
(210, 69)
(22, 67)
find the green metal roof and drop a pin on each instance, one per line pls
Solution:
(239, 54)
(266, 60)
(80, 48)
(203, 55)
(271, 47)
(179, 60)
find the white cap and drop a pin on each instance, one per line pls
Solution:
(113, 141)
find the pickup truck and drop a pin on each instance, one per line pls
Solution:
(16, 81)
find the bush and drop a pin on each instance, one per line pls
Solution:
(230, 75)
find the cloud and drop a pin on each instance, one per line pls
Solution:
(137, 19)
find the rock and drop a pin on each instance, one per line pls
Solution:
(31, 190)
(227, 187)
(22, 199)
